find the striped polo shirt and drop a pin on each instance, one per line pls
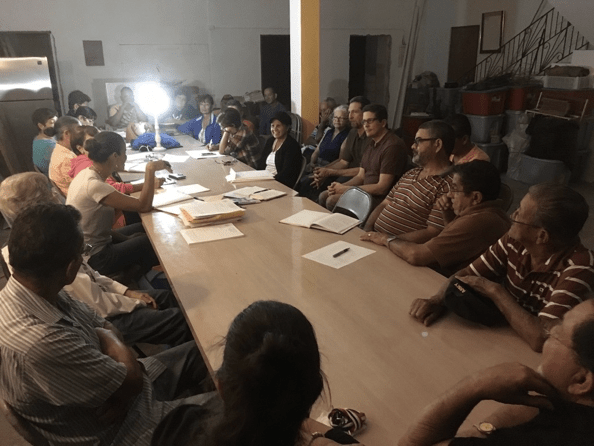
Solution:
(412, 204)
(54, 375)
(565, 280)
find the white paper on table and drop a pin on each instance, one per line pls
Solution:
(248, 175)
(135, 167)
(139, 181)
(175, 209)
(210, 233)
(137, 156)
(244, 192)
(192, 189)
(169, 196)
(175, 158)
(324, 255)
(199, 154)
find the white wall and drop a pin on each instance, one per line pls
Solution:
(342, 18)
(441, 15)
(579, 13)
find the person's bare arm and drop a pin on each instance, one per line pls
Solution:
(374, 215)
(114, 120)
(117, 404)
(224, 142)
(421, 235)
(506, 383)
(144, 203)
(382, 187)
(413, 253)
(531, 328)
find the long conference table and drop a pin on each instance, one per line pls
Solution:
(377, 359)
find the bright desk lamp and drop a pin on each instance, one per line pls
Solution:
(154, 101)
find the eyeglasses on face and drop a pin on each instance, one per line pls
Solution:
(341, 119)
(420, 140)
(369, 121)
(513, 220)
(455, 190)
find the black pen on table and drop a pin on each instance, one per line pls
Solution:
(339, 253)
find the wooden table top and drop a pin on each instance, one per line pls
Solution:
(376, 357)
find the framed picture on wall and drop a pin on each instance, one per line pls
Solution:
(492, 32)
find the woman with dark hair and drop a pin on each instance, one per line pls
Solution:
(86, 115)
(112, 251)
(282, 154)
(44, 143)
(204, 128)
(268, 382)
(238, 141)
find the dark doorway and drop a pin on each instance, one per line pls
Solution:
(464, 42)
(369, 67)
(275, 57)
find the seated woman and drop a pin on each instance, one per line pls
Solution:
(86, 115)
(268, 382)
(282, 154)
(329, 147)
(238, 141)
(43, 144)
(112, 251)
(204, 128)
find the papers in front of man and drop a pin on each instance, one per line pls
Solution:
(255, 193)
(337, 223)
(169, 196)
(210, 233)
(191, 189)
(201, 154)
(135, 166)
(248, 175)
(200, 213)
(338, 254)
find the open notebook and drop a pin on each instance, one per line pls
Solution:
(248, 175)
(337, 223)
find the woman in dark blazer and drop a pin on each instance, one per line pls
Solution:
(282, 154)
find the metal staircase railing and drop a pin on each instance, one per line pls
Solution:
(548, 39)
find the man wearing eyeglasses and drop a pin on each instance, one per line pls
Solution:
(554, 406)
(537, 271)
(411, 211)
(383, 161)
(479, 222)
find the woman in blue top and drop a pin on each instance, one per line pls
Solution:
(43, 143)
(204, 128)
(328, 149)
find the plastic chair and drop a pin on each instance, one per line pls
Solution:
(303, 164)
(506, 195)
(22, 426)
(355, 203)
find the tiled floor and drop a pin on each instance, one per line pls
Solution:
(8, 437)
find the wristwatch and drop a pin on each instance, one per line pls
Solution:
(390, 240)
(485, 428)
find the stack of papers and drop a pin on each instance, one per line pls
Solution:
(337, 223)
(200, 213)
(248, 175)
(201, 235)
(192, 189)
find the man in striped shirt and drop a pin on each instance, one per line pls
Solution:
(63, 368)
(537, 271)
(412, 211)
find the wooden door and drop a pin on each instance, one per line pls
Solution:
(464, 41)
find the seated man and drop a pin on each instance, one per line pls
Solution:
(64, 369)
(559, 414)
(238, 141)
(479, 222)
(326, 107)
(269, 109)
(62, 155)
(383, 162)
(121, 115)
(180, 111)
(464, 150)
(151, 317)
(543, 268)
(412, 210)
(77, 99)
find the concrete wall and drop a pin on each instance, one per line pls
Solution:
(441, 15)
